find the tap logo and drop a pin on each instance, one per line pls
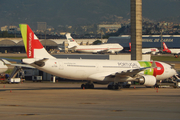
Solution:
(152, 71)
(71, 39)
(30, 45)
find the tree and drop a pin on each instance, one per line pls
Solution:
(97, 42)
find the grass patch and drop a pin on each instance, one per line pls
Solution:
(8, 71)
(165, 58)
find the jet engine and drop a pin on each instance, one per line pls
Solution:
(147, 80)
(112, 51)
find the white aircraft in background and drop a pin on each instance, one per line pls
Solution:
(147, 50)
(102, 48)
(171, 51)
(99, 71)
(3, 67)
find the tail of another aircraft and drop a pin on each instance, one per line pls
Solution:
(71, 41)
(165, 48)
(33, 47)
(130, 47)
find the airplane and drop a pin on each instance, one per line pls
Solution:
(3, 67)
(102, 48)
(171, 51)
(147, 50)
(99, 71)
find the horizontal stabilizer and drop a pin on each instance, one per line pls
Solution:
(19, 65)
(38, 62)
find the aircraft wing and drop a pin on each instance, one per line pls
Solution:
(19, 65)
(103, 51)
(133, 72)
(125, 73)
(120, 74)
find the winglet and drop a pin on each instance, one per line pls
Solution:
(153, 65)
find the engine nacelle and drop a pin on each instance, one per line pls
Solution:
(147, 80)
(112, 52)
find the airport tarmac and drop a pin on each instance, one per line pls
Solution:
(66, 101)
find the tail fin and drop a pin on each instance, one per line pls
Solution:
(71, 41)
(165, 48)
(33, 47)
(130, 47)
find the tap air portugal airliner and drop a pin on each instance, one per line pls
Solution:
(147, 50)
(102, 48)
(94, 71)
(171, 51)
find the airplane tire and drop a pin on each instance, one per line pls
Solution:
(127, 86)
(113, 87)
(109, 86)
(83, 86)
(91, 86)
(117, 87)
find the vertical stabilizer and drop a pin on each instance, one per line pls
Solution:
(33, 47)
(71, 41)
(129, 47)
(165, 48)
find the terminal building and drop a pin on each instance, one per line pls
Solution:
(148, 41)
(15, 45)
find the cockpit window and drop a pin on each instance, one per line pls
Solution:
(158, 68)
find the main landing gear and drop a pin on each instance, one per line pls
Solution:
(114, 87)
(87, 86)
(119, 85)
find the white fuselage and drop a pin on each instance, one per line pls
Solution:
(175, 51)
(99, 48)
(150, 50)
(95, 70)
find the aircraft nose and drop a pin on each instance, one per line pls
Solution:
(173, 72)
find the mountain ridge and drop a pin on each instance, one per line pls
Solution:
(82, 12)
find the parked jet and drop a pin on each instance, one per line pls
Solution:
(147, 50)
(102, 48)
(172, 51)
(99, 71)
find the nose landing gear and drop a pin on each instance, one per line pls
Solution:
(114, 87)
(87, 86)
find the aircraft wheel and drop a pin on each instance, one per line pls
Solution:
(83, 86)
(117, 87)
(127, 86)
(157, 86)
(109, 86)
(113, 87)
(91, 86)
